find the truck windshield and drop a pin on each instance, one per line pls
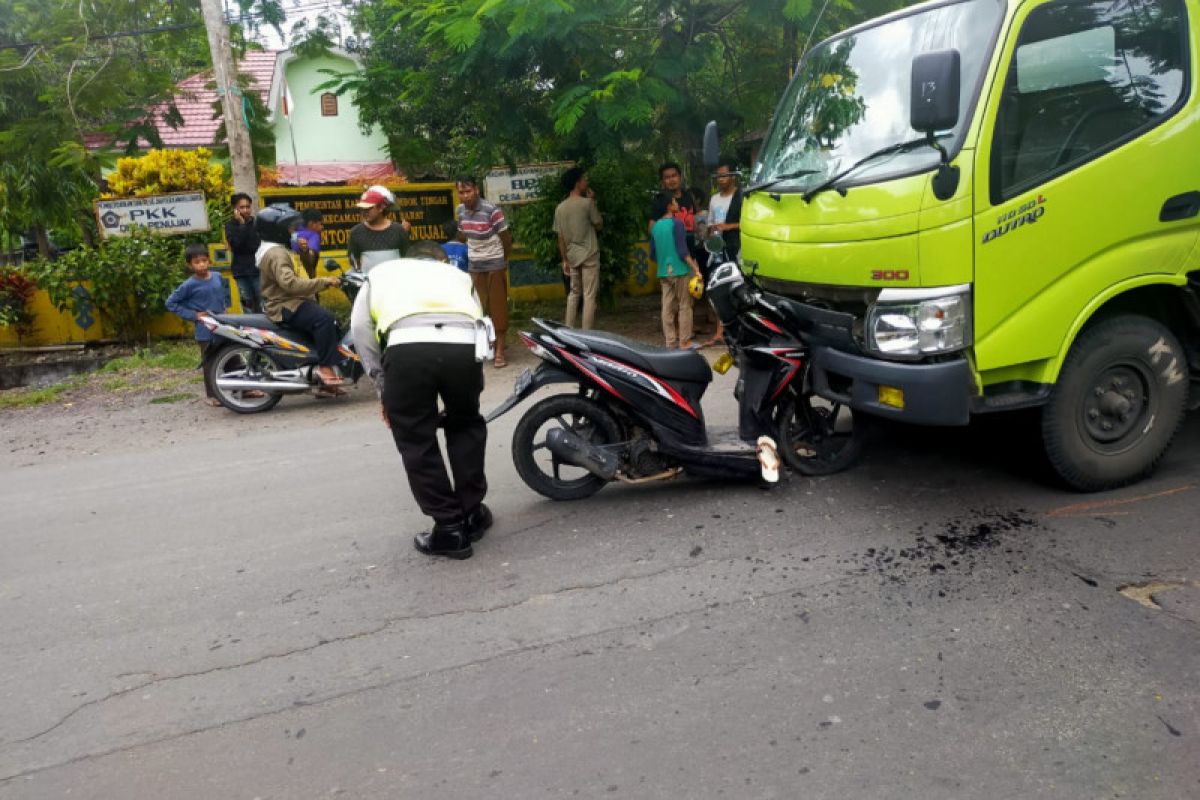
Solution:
(850, 97)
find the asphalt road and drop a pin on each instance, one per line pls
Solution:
(241, 617)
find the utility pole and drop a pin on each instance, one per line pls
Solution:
(241, 158)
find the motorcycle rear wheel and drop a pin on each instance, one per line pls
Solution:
(817, 437)
(537, 466)
(239, 361)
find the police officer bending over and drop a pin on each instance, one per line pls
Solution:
(427, 315)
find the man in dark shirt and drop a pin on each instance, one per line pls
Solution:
(670, 178)
(377, 238)
(243, 243)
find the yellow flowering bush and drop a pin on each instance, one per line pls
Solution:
(166, 171)
(163, 171)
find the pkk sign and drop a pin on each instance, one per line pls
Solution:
(181, 212)
(426, 206)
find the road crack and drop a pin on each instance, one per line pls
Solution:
(449, 669)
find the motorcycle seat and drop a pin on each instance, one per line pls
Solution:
(262, 322)
(251, 321)
(675, 365)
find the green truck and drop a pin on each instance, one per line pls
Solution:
(988, 205)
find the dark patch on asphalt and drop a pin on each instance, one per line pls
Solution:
(954, 547)
(1086, 580)
(933, 705)
(1170, 729)
(697, 550)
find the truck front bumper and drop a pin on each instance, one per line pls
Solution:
(934, 394)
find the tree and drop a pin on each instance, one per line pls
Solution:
(466, 84)
(65, 74)
(71, 71)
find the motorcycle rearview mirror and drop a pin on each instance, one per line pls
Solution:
(715, 243)
(712, 145)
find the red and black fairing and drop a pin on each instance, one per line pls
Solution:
(766, 372)
(659, 388)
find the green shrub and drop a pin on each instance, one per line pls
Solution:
(129, 280)
(622, 195)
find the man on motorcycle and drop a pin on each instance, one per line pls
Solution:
(428, 316)
(291, 299)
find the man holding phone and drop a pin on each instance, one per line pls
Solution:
(244, 241)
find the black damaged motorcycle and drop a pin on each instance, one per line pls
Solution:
(635, 416)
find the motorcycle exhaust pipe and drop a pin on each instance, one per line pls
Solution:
(281, 387)
(570, 448)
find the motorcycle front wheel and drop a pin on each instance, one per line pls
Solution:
(538, 467)
(238, 362)
(819, 437)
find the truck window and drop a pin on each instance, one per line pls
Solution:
(1087, 76)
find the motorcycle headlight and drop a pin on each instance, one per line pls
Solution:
(910, 323)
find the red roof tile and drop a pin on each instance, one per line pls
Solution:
(195, 104)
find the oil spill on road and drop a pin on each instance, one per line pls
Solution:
(954, 547)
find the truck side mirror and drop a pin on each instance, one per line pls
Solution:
(936, 78)
(712, 145)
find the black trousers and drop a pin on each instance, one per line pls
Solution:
(318, 323)
(416, 375)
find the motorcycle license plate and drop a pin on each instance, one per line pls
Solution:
(520, 387)
(523, 382)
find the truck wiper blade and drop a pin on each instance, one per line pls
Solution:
(787, 176)
(886, 151)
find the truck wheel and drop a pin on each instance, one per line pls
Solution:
(1117, 404)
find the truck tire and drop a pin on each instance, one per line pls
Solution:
(1117, 405)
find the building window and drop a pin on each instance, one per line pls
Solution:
(329, 103)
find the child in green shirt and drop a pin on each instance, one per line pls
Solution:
(668, 248)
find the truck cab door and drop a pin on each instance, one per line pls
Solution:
(1088, 165)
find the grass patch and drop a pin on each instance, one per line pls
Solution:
(27, 398)
(546, 309)
(163, 367)
(171, 398)
(178, 355)
(116, 384)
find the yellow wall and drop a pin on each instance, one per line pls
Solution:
(55, 327)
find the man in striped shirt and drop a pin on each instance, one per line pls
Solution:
(489, 246)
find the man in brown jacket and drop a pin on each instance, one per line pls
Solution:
(291, 299)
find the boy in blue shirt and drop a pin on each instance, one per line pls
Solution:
(201, 294)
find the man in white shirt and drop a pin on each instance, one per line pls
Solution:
(725, 217)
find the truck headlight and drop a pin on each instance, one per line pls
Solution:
(910, 323)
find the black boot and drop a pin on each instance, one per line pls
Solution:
(448, 539)
(478, 521)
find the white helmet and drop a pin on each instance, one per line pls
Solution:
(376, 195)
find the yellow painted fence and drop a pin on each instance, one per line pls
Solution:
(82, 324)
